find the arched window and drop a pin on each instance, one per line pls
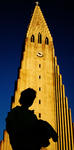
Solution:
(47, 41)
(32, 38)
(39, 38)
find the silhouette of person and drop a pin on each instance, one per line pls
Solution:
(26, 132)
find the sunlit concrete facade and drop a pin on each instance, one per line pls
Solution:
(73, 135)
(40, 71)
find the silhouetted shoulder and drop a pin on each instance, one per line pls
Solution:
(17, 108)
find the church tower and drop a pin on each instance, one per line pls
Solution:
(39, 70)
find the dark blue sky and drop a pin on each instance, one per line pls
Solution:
(14, 20)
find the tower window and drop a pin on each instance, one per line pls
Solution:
(39, 115)
(39, 89)
(32, 38)
(39, 77)
(39, 38)
(47, 41)
(39, 65)
(39, 101)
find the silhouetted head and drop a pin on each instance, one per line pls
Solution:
(27, 97)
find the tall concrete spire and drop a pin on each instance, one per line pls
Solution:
(38, 24)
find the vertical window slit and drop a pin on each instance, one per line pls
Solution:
(39, 38)
(39, 115)
(39, 101)
(39, 88)
(39, 65)
(39, 76)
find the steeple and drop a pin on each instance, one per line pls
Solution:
(38, 24)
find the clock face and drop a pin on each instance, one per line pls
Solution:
(40, 54)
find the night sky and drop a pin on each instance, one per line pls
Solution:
(14, 19)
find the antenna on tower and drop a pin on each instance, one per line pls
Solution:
(37, 3)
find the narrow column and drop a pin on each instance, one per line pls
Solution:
(2, 145)
(60, 113)
(63, 119)
(5, 140)
(71, 130)
(67, 122)
(58, 108)
(8, 143)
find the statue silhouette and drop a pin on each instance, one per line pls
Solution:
(26, 132)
